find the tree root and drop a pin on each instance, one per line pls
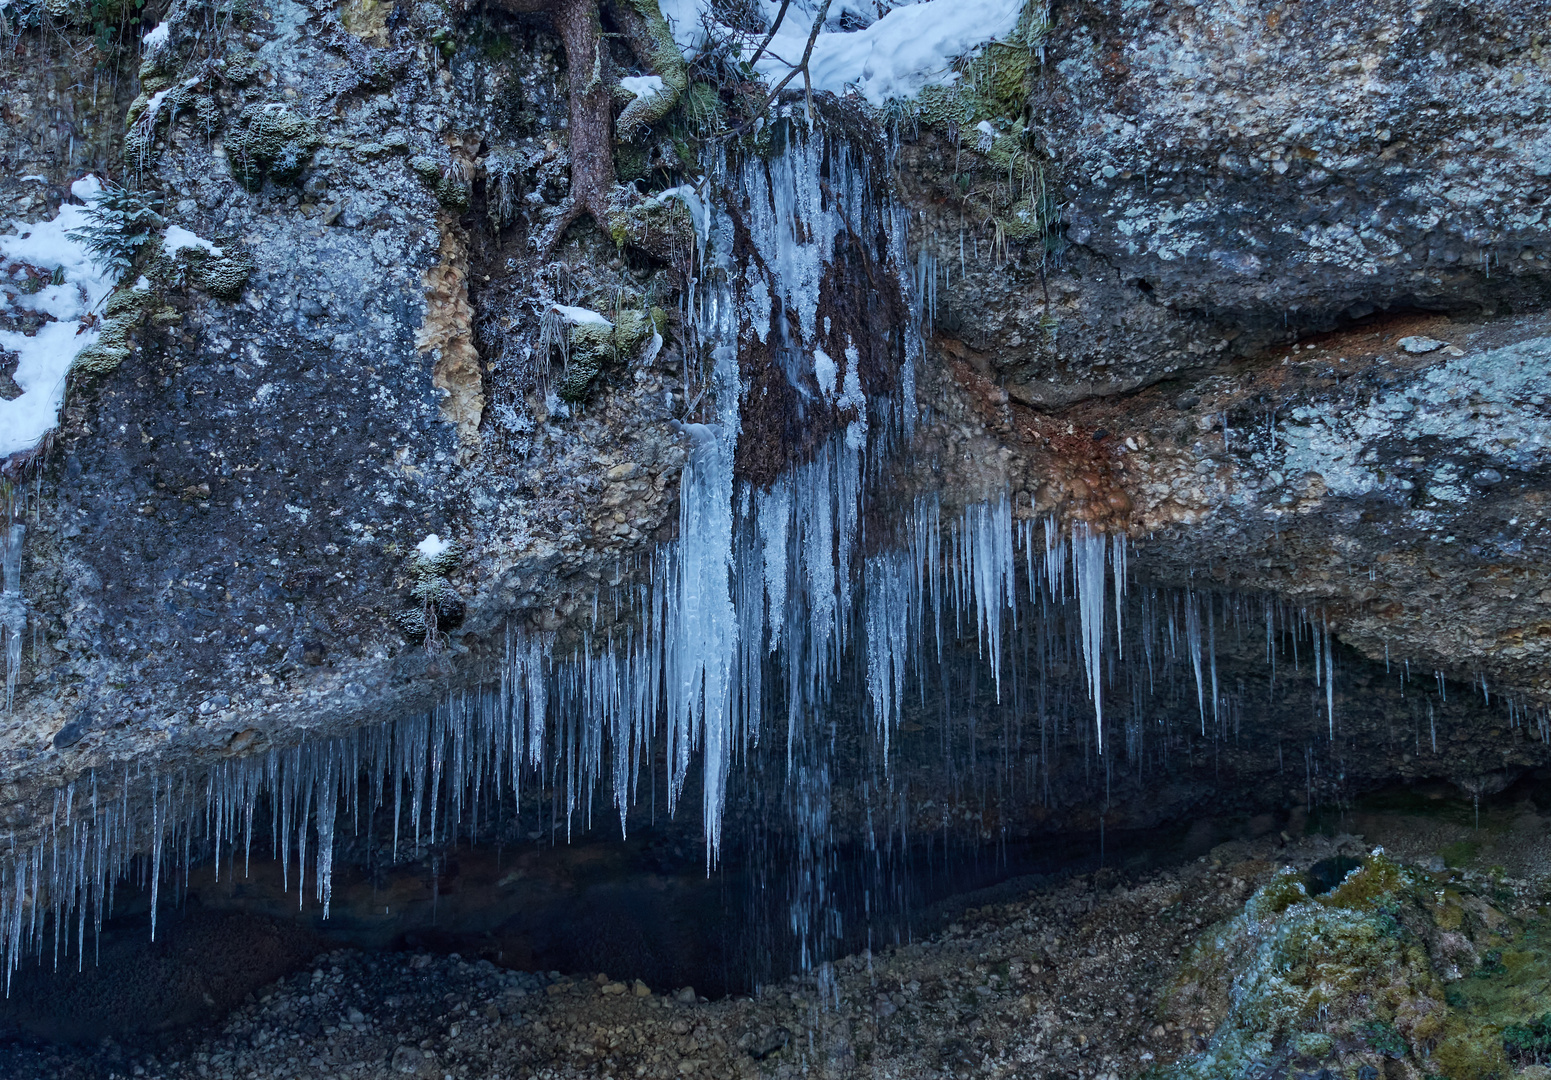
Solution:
(590, 90)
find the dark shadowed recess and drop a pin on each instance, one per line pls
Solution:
(1030, 805)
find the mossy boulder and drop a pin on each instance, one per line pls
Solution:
(271, 141)
(1388, 964)
(594, 344)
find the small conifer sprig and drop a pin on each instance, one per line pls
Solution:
(122, 222)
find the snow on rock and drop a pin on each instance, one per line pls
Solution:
(580, 316)
(643, 86)
(910, 48)
(433, 547)
(44, 357)
(157, 38)
(176, 239)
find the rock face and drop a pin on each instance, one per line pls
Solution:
(220, 541)
(1233, 175)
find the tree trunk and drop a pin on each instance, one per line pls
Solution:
(592, 114)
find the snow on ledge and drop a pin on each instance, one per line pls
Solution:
(910, 48)
(898, 56)
(43, 359)
(433, 547)
(643, 86)
(580, 316)
(176, 239)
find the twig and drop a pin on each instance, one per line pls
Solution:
(763, 45)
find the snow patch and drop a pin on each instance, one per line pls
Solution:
(580, 316)
(157, 38)
(433, 547)
(898, 56)
(43, 359)
(643, 86)
(176, 239)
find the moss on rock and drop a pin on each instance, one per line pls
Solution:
(445, 179)
(222, 276)
(1387, 964)
(594, 344)
(271, 140)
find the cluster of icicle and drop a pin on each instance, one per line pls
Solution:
(585, 727)
(769, 595)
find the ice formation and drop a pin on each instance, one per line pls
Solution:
(782, 617)
(13, 606)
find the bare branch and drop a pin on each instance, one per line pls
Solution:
(775, 92)
(763, 45)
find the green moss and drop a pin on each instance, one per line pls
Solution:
(593, 345)
(123, 311)
(132, 302)
(99, 359)
(1360, 970)
(436, 603)
(667, 63)
(703, 110)
(1368, 886)
(445, 179)
(986, 109)
(658, 225)
(222, 276)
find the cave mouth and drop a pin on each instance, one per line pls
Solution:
(1229, 717)
(643, 909)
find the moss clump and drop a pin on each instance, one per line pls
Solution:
(271, 141)
(446, 179)
(122, 313)
(594, 344)
(160, 102)
(437, 604)
(222, 276)
(660, 225)
(666, 62)
(101, 358)
(987, 106)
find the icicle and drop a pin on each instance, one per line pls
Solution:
(1193, 641)
(1088, 570)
